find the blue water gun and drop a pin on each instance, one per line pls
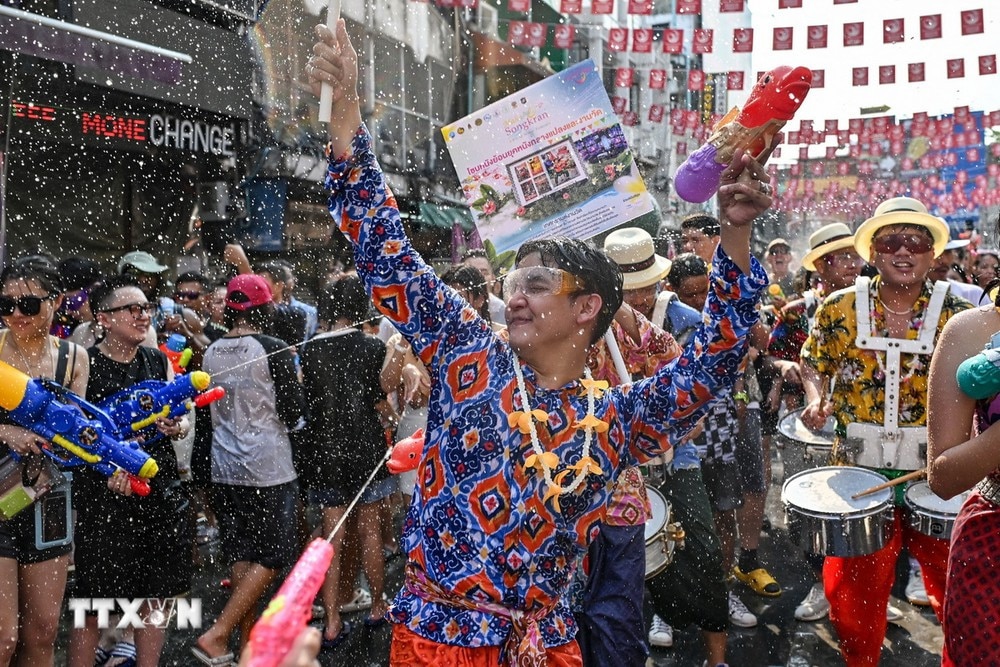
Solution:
(135, 410)
(78, 432)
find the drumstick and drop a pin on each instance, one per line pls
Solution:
(916, 474)
(326, 92)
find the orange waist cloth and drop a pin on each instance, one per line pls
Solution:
(409, 649)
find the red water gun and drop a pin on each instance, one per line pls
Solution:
(406, 453)
(773, 102)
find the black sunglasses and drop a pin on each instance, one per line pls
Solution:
(189, 296)
(28, 305)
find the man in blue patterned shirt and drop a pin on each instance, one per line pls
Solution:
(522, 446)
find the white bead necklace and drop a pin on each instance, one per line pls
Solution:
(546, 462)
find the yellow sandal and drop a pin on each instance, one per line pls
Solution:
(759, 581)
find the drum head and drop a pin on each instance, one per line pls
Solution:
(791, 427)
(829, 490)
(658, 516)
(919, 496)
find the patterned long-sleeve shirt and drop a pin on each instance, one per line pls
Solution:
(485, 550)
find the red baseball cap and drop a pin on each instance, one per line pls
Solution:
(247, 291)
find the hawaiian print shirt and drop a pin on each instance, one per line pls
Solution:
(791, 329)
(859, 379)
(629, 504)
(487, 552)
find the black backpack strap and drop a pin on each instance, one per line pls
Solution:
(64, 365)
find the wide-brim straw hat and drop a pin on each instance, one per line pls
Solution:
(900, 211)
(633, 250)
(829, 238)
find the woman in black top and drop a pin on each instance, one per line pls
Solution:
(33, 580)
(340, 376)
(130, 546)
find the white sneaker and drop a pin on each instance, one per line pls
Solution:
(660, 634)
(893, 614)
(915, 591)
(739, 615)
(814, 607)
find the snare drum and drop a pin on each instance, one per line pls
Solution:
(659, 549)
(817, 443)
(928, 513)
(823, 518)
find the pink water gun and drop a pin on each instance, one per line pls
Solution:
(773, 102)
(288, 612)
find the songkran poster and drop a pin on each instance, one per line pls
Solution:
(549, 160)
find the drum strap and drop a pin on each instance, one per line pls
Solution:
(893, 347)
(659, 318)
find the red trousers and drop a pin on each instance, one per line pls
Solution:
(858, 590)
(408, 649)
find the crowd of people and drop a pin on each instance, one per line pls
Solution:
(564, 405)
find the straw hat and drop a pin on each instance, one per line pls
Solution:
(900, 211)
(633, 250)
(829, 238)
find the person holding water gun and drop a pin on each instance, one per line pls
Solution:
(498, 519)
(130, 546)
(33, 579)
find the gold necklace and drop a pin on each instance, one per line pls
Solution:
(545, 462)
(35, 373)
(886, 307)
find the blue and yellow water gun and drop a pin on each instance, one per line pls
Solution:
(78, 432)
(135, 410)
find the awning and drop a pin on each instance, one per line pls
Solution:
(446, 217)
(37, 35)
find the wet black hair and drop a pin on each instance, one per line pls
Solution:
(686, 265)
(598, 273)
(703, 222)
(39, 268)
(258, 317)
(102, 291)
(346, 298)
(463, 276)
(194, 277)
(78, 273)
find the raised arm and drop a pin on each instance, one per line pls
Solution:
(402, 285)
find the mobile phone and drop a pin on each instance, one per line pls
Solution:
(53, 517)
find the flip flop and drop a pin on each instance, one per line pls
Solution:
(330, 644)
(224, 660)
(760, 581)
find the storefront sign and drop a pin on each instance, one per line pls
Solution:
(42, 122)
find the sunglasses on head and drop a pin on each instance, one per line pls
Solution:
(915, 243)
(28, 305)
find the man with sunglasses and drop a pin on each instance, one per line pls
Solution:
(169, 316)
(874, 341)
(522, 445)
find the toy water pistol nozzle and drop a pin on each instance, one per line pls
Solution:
(773, 102)
(775, 291)
(177, 351)
(290, 609)
(979, 377)
(406, 453)
(79, 432)
(136, 409)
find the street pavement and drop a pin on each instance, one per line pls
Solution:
(779, 639)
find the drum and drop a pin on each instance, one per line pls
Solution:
(659, 548)
(928, 513)
(792, 428)
(823, 518)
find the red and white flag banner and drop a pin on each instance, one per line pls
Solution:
(642, 40)
(854, 33)
(657, 79)
(702, 41)
(816, 37)
(742, 40)
(930, 26)
(618, 40)
(956, 68)
(782, 39)
(623, 77)
(696, 80)
(892, 31)
(734, 80)
(562, 37)
(673, 40)
(972, 22)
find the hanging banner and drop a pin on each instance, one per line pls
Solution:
(548, 160)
